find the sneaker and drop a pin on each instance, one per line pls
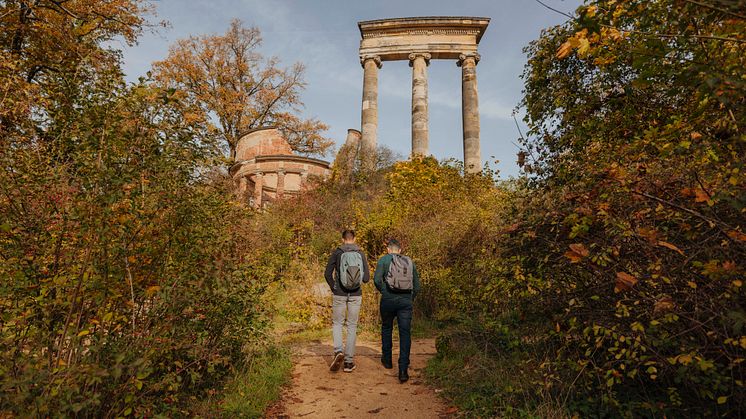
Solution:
(349, 366)
(403, 376)
(387, 363)
(338, 358)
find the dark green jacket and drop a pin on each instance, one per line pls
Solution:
(379, 279)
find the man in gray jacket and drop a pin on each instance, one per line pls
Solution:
(346, 270)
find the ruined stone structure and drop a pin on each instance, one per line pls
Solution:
(420, 40)
(267, 169)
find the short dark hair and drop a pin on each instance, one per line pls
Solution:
(393, 243)
(348, 234)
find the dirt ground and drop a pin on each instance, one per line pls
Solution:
(369, 391)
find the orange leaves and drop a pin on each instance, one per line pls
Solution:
(650, 234)
(671, 246)
(578, 41)
(624, 282)
(663, 305)
(565, 49)
(737, 235)
(700, 195)
(577, 252)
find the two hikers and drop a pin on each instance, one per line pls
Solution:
(397, 280)
(346, 270)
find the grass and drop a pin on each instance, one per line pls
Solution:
(258, 385)
(488, 384)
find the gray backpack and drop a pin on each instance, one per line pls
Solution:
(400, 277)
(350, 270)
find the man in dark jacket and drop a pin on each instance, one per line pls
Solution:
(346, 299)
(395, 303)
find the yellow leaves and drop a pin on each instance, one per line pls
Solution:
(683, 359)
(624, 282)
(612, 33)
(583, 47)
(578, 41)
(691, 284)
(565, 49)
(577, 252)
(83, 333)
(152, 290)
(722, 399)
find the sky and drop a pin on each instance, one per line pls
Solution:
(323, 35)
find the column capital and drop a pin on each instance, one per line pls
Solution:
(462, 58)
(281, 171)
(259, 173)
(426, 55)
(376, 59)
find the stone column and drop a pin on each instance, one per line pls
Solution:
(369, 117)
(470, 112)
(419, 62)
(258, 187)
(280, 183)
(242, 186)
(303, 179)
(352, 147)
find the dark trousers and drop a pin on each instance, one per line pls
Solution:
(402, 310)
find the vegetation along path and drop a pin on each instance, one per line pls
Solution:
(369, 391)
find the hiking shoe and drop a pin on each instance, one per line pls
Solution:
(338, 358)
(387, 363)
(403, 376)
(349, 366)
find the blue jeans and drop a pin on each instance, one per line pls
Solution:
(350, 304)
(401, 309)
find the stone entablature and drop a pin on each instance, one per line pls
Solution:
(418, 40)
(266, 169)
(443, 37)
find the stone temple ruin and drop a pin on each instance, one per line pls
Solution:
(266, 167)
(265, 163)
(419, 40)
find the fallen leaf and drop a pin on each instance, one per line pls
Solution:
(663, 305)
(650, 234)
(671, 246)
(376, 410)
(580, 249)
(574, 257)
(700, 195)
(729, 265)
(737, 235)
(624, 282)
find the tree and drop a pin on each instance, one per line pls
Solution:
(48, 48)
(226, 80)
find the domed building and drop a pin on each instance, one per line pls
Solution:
(266, 168)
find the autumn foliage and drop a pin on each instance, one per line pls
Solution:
(228, 85)
(124, 288)
(605, 281)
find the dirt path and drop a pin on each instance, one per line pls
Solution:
(369, 391)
